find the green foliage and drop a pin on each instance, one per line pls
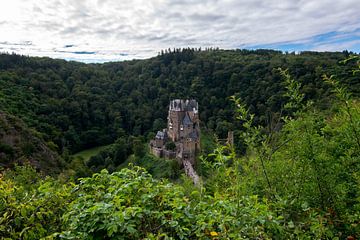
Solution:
(208, 143)
(298, 178)
(31, 207)
(311, 165)
(317, 166)
(80, 106)
(7, 149)
(295, 97)
(28, 148)
(111, 156)
(170, 146)
(158, 167)
(356, 59)
(20, 145)
(131, 205)
(138, 147)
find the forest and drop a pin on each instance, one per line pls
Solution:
(293, 172)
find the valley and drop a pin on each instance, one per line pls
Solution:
(93, 151)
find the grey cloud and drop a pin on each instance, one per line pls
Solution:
(49, 25)
(207, 17)
(37, 9)
(80, 15)
(183, 3)
(23, 43)
(71, 30)
(101, 2)
(176, 16)
(156, 24)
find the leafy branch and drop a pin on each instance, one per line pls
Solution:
(293, 93)
(345, 97)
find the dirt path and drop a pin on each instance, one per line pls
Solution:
(189, 170)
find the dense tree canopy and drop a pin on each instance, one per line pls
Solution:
(78, 106)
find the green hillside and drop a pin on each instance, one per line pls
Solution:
(70, 103)
(20, 145)
(293, 172)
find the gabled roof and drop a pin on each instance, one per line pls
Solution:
(193, 135)
(161, 135)
(186, 121)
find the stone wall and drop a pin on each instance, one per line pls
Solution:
(156, 151)
(169, 154)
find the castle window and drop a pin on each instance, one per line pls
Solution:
(181, 127)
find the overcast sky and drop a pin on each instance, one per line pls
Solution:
(109, 30)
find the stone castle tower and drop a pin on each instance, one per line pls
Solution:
(183, 129)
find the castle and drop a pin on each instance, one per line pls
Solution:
(181, 138)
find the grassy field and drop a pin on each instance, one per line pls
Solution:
(88, 153)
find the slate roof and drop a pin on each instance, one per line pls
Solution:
(190, 105)
(161, 135)
(193, 135)
(187, 121)
(183, 105)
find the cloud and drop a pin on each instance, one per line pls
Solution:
(21, 43)
(76, 52)
(141, 28)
